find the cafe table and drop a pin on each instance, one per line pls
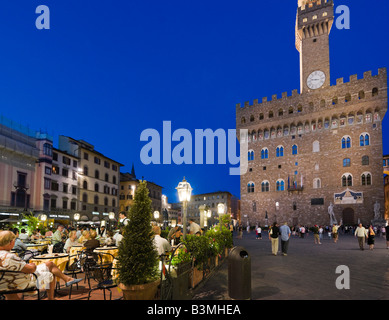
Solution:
(36, 246)
(107, 258)
(74, 250)
(59, 259)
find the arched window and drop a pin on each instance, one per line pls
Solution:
(366, 179)
(270, 114)
(243, 120)
(250, 187)
(347, 180)
(105, 201)
(347, 98)
(346, 142)
(265, 186)
(261, 116)
(365, 160)
(85, 185)
(251, 155)
(280, 185)
(113, 203)
(290, 111)
(97, 174)
(96, 200)
(106, 177)
(85, 170)
(252, 118)
(280, 151)
(264, 153)
(346, 162)
(364, 139)
(280, 112)
(294, 150)
(96, 187)
(114, 179)
(84, 197)
(374, 92)
(361, 95)
(316, 183)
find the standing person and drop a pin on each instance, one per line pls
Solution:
(123, 220)
(302, 232)
(273, 237)
(316, 235)
(161, 244)
(335, 233)
(321, 234)
(259, 231)
(285, 235)
(370, 237)
(360, 233)
(240, 232)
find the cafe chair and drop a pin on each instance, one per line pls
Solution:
(101, 273)
(72, 269)
(30, 289)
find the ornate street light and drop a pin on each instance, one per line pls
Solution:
(184, 194)
(76, 216)
(43, 217)
(156, 216)
(220, 210)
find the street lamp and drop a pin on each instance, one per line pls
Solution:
(111, 216)
(220, 211)
(43, 217)
(156, 216)
(184, 193)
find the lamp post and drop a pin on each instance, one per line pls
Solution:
(184, 193)
(220, 211)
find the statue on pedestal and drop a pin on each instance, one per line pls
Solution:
(332, 214)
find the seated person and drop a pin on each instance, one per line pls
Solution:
(84, 237)
(160, 244)
(177, 236)
(71, 241)
(19, 246)
(34, 236)
(46, 272)
(49, 233)
(57, 236)
(23, 236)
(109, 241)
(92, 244)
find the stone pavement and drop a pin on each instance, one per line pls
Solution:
(308, 272)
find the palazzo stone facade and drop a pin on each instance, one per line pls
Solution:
(317, 147)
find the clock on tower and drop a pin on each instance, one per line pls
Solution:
(313, 26)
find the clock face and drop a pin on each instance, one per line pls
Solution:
(316, 79)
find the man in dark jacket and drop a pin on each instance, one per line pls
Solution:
(274, 232)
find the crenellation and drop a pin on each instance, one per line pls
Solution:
(353, 77)
(315, 6)
(264, 99)
(274, 97)
(284, 95)
(339, 81)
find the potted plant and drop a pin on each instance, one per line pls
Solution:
(138, 260)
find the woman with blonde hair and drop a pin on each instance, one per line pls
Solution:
(370, 237)
(84, 237)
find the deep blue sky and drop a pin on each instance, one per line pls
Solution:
(107, 70)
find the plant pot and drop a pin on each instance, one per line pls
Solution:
(145, 291)
(195, 277)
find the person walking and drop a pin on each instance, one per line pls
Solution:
(321, 234)
(335, 234)
(259, 232)
(387, 236)
(285, 235)
(360, 233)
(274, 232)
(316, 235)
(370, 237)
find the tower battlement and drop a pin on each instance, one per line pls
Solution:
(353, 80)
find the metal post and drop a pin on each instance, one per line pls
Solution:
(184, 209)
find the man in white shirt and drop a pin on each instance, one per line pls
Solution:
(194, 227)
(361, 233)
(161, 244)
(23, 235)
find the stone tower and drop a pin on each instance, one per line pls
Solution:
(313, 25)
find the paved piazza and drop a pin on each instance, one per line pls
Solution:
(308, 272)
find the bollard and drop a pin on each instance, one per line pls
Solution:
(239, 274)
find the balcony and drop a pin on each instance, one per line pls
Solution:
(21, 185)
(295, 188)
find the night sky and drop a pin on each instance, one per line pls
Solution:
(107, 70)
